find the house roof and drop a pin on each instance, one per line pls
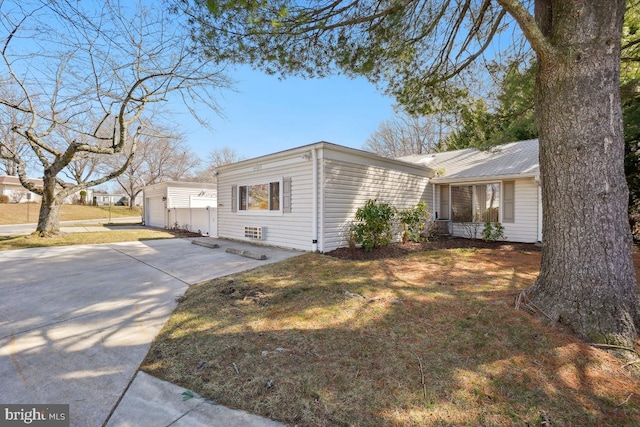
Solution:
(512, 160)
(203, 185)
(6, 179)
(374, 158)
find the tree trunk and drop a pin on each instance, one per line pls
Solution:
(49, 217)
(586, 280)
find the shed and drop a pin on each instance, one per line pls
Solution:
(181, 205)
(305, 198)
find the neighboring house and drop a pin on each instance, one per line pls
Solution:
(183, 205)
(498, 185)
(306, 198)
(10, 186)
(106, 199)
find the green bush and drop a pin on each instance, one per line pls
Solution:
(493, 231)
(4, 198)
(414, 221)
(373, 227)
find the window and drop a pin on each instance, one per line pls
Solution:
(461, 206)
(487, 202)
(475, 203)
(260, 197)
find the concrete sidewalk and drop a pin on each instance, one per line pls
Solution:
(77, 321)
(153, 402)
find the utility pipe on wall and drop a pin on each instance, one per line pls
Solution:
(314, 204)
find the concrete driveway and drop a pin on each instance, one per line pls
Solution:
(76, 321)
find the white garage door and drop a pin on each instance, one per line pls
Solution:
(154, 212)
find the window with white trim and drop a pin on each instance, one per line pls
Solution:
(475, 203)
(259, 197)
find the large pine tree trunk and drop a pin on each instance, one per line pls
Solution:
(587, 280)
(48, 219)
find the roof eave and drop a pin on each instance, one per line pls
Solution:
(485, 178)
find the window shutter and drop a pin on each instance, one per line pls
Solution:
(509, 201)
(286, 195)
(234, 198)
(480, 211)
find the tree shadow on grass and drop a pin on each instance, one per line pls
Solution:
(431, 339)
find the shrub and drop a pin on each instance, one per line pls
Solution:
(372, 228)
(414, 221)
(4, 198)
(493, 231)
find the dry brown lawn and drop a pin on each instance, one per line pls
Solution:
(429, 338)
(23, 213)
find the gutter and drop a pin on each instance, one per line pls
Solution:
(479, 179)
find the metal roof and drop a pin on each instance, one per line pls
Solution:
(515, 159)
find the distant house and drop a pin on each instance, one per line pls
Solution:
(184, 205)
(10, 186)
(498, 185)
(115, 199)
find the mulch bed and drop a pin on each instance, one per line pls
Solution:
(396, 250)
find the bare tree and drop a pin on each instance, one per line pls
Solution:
(74, 62)
(161, 156)
(216, 158)
(406, 135)
(8, 119)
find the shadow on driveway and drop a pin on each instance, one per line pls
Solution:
(76, 321)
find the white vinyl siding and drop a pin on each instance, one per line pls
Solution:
(345, 181)
(190, 206)
(525, 225)
(348, 185)
(290, 227)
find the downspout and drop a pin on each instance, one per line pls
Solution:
(314, 204)
(539, 237)
(433, 197)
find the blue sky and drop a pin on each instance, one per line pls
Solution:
(266, 115)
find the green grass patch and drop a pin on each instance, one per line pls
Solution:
(428, 339)
(24, 213)
(82, 238)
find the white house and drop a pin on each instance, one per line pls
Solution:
(185, 205)
(305, 198)
(11, 187)
(499, 185)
